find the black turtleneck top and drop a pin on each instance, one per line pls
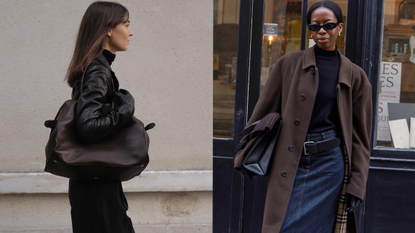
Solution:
(109, 56)
(325, 115)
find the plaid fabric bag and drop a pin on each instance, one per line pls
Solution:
(341, 218)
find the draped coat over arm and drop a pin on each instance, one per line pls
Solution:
(294, 76)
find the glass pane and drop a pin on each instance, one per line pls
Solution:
(282, 32)
(341, 40)
(397, 82)
(225, 44)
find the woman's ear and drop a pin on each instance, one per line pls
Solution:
(109, 33)
(340, 27)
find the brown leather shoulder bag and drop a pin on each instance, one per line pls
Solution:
(119, 157)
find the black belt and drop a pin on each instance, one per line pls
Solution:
(311, 147)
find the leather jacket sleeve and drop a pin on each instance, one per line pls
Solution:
(95, 118)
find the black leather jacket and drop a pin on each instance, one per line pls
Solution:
(97, 116)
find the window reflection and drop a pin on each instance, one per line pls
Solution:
(225, 44)
(285, 15)
(397, 72)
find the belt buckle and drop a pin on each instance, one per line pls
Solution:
(305, 149)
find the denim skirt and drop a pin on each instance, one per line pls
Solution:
(316, 192)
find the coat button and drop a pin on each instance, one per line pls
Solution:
(302, 96)
(297, 122)
(290, 148)
(284, 174)
(312, 70)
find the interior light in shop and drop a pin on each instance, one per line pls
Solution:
(270, 38)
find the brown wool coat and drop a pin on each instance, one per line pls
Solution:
(292, 76)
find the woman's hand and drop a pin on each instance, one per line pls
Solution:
(125, 101)
(353, 202)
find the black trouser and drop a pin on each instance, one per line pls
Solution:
(98, 207)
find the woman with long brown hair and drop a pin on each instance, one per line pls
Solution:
(101, 111)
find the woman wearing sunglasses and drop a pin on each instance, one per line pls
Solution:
(321, 160)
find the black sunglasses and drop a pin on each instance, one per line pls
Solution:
(326, 26)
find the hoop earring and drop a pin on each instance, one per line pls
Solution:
(339, 34)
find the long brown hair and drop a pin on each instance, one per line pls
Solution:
(98, 19)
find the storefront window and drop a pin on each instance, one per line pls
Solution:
(397, 77)
(282, 32)
(225, 44)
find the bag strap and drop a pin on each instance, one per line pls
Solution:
(82, 83)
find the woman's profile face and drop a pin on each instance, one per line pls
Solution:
(119, 37)
(325, 39)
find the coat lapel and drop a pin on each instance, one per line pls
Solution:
(309, 58)
(345, 74)
(104, 61)
(344, 100)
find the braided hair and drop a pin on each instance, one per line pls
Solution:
(327, 4)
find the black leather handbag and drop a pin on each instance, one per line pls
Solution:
(259, 141)
(121, 157)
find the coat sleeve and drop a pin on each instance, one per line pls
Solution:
(269, 101)
(93, 119)
(361, 136)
